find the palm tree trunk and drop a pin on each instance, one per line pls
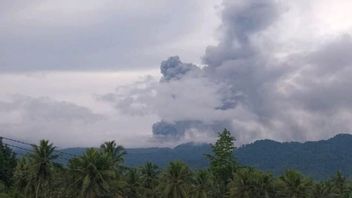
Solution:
(37, 190)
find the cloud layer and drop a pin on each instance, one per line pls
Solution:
(258, 83)
(100, 35)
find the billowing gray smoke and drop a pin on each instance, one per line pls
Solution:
(234, 62)
(255, 89)
(241, 20)
(260, 81)
(176, 130)
(174, 69)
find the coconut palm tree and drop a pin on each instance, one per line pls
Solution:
(42, 163)
(149, 174)
(176, 180)
(240, 184)
(116, 151)
(323, 190)
(264, 184)
(248, 182)
(24, 177)
(294, 185)
(339, 183)
(133, 187)
(7, 164)
(202, 184)
(92, 173)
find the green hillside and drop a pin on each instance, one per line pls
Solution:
(318, 159)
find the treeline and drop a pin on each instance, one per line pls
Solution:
(100, 172)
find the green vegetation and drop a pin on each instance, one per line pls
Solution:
(7, 165)
(102, 173)
(317, 159)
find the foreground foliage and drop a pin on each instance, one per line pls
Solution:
(101, 173)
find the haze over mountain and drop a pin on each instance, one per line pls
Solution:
(317, 159)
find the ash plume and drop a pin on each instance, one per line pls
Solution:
(256, 82)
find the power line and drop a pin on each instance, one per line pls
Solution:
(17, 141)
(59, 153)
(18, 147)
(31, 151)
(26, 143)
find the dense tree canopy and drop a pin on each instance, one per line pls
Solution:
(100, 172)
(7, 164)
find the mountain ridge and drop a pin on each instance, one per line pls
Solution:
(317, 159)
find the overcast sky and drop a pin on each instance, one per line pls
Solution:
(162, 72)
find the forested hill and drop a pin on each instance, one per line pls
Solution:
(318, 159)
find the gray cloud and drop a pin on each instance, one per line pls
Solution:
(177, 130)
(174, 69)
(43, 109)
(165, 129)
(283, 96)
(241, 20)
(68, 124)
(104, 35)
(254, 89)
(29, 118)
(133, 99)
(324, 86)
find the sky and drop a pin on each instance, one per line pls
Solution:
(164, 72)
